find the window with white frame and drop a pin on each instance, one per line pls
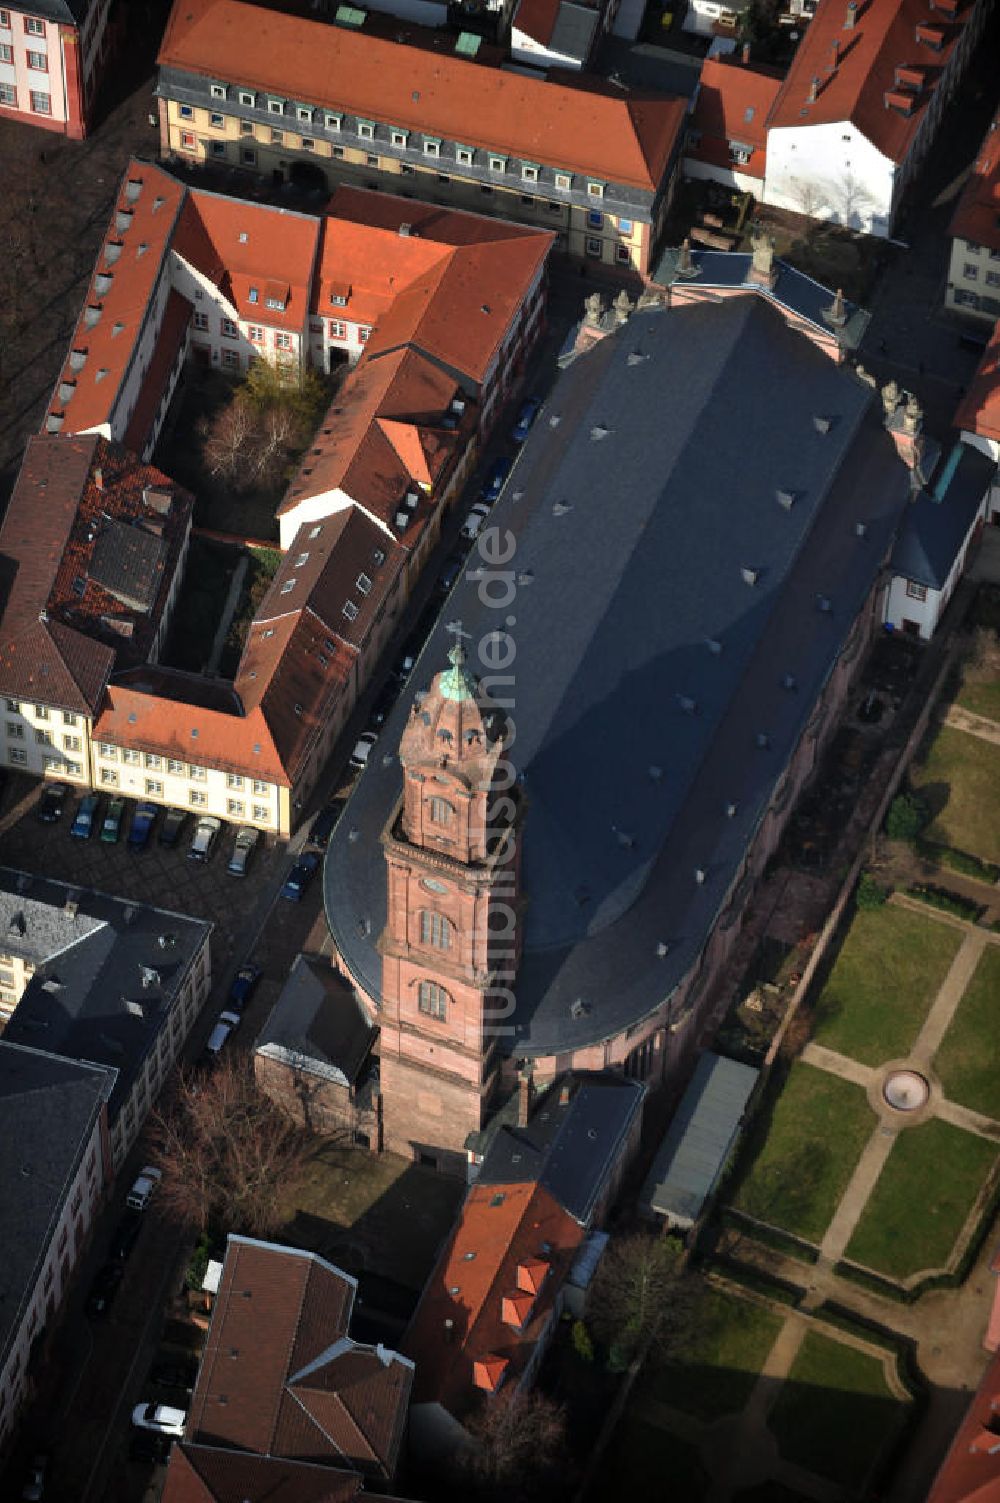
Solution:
(275, 106)
(175, 766)
(109, 777)
(259, 786)
(216, 120)
(16, 757)
(363, 584)
(366, 130)
(399, 137)
(15, 730)
(593, 247)
(234, 780)
(234, 806)
(282, 341)
(432, 146)
(231, 360)
(152, 760)
(41, 712)
(303, 114)
(196, 798)
(441, 811)
(498, 164)
(42, 738)
(130, 756)
(915, 591)
(197, 774)
(185, 111)
(246, 127)
(154, 787)
(200, 320)
(108, 751)
(5, 19)
(8, 94)
(70, 719)
(363, 332)
(595, 190)
(333, 122)
(71, 743)
(970, 272)
(564, 181)
(432, 1000)
(6, 52)
(217, 90)
(38, 61)
(229, 329)
(14, 706)
(34, 27)
(261, 813)
(255, 333)
(465, 156)
(622, 255)
(338, 329)
(247, 99)
(529, 172)
(625, 225)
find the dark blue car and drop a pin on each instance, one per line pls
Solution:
(300, 876)
(497, 478)
(142, 824)
(525, 418)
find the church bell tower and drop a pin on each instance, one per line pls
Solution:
(452, 939)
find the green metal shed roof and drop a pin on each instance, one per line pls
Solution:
(698, 1140)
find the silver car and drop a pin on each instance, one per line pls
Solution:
(246, 844)
(204, 838)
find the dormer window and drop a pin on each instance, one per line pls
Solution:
(530, 171)
(595, 190)
(350, 610)
(366, 130)
(303, 114)
(276, 106)
(432, 146)
(399, 137)
(253, 296)
(465, 156)
(564, 181)
(247, 100)
(498, 164)
(333, 122)
(217, 90)
(363, 584)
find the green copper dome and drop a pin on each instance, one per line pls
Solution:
(457, 683)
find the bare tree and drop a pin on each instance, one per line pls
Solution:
(230, 441)
(518, 1450)
(639, 1292)
(228, 1153)
(808, 197)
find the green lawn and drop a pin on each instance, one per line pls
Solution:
(921, 1200)
(981, 697)
(714, 1371)
(835, 1413)
(883, 982)
(803, 1150)
(968, 1061)
(646, 1465)
(961, 776)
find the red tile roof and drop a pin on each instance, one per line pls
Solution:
(537, 19)
(977, 215)
(172, 336)
(65, 623)
(280, 1376)
(502, 1229)
(607, 135)
(970, 1473)
(146, 210)
(241, 245)
(883, 38)
(732, 105)
(979, 410)
(212, 1474)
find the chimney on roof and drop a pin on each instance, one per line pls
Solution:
(564, 1093)
(97, 475)
(406, 229)
(850, 20)
(746, 54)
(813, 94)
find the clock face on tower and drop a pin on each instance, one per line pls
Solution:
(432, 885)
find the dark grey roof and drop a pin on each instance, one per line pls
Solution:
(573, 1140)
(103, 983)
(698, 1140)
(941, 517)
(127, 561)
(317, 1023)
(792, 289)
(573, 33)
(632, 522)
(48, 1110)
(70, 12)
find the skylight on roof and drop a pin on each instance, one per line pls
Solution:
(287, 587)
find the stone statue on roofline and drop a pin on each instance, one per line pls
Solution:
(762, 269)
(891, 396)
(623, 307)
(593, 309)
(913, 415)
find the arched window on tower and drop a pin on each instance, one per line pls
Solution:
(432, 999)
(442, 812)
(435, 929)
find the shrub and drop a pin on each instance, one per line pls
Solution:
(908, 813)
(948, 902)
(869, 893)
(582, 1344)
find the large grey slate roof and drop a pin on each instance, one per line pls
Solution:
(69, 12)
(629, 552)
(48, 1109)
(90, 966)
(570, 1146)
(938, 522)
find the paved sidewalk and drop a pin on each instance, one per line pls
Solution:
(950, 993)
(972, 724)
(839, 1064)
(852, 1203)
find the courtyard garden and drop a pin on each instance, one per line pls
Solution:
(966, 1062)
(883, 981)
(801, 1151)
(836, 1414)
(959, 776)
(714, 1371)
(921, 1200)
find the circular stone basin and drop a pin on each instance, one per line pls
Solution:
(905, 1090)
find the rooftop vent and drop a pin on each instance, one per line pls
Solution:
(157, 204)
(122, 220)
(406, 229)
(788, 681)
(77, 359)
(116, 328)
(655, 773)
(763, 740)
(824, 603)
(714, 646)
(132, 190)
(687, 704)
(560, 508)
(662, 949)
(861, 529)
(785, 498)
(749, 576)
(732, 809)
(112, 251)
(578, 1009)
(91, 314)
(555, 419)
(822, 424)
(635, 357)
(598, 432)
(699, 875)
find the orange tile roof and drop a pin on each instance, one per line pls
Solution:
(883, 38)
(607, 135)
(138, 237)
(537, 19)
(970, 1473)
(241, 245)
(979, 410)
(977, 215)
(214, 1474)
(732, 105)
(501, 1228)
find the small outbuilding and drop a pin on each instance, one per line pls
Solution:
(698, 1141)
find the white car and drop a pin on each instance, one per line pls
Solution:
(162, 1418)
(473, 524)
(225, 1023)
(246, 844)
(204, 838)
(363, 750)
(142, 1191)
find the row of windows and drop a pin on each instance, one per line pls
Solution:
(32, 25)
(18, 757)
(235, 807)
(15, 732)
(974, 249)
(335, 121)
(970, 271)
(154, 761)
(39, 103)
(42, 712)
(37, 61)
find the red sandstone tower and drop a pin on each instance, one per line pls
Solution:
(451, 943)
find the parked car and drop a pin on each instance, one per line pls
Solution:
(300, 876)
(126, 1235)
(244, 981)
(111, 827)
(159, 1417)
(144, 1189)
(405, 663)
(473, 524)
(141, 827)
(103, 1289)
(243, 849)
(525, 418)
(205, 835)
(174, 1375)
(224, 1026)
(173, 823)
(362, 750)
(325, 822)
(497, 478)
(86, 817)
(34, 1485)
(453, 567)
(52, 802)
